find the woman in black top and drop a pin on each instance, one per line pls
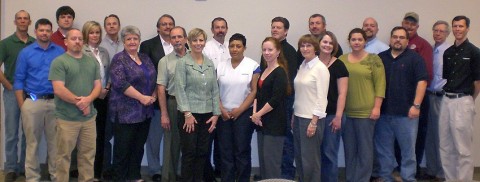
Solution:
(271, 119)
(337, 93)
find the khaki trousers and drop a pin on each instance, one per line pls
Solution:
(456, 137)
(82, 134)
(38, 118)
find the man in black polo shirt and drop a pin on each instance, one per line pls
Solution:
(461, 69)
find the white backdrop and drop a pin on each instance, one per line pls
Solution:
(252, 17)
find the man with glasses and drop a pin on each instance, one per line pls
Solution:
(156, 48)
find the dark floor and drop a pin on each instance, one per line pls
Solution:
(476, 175)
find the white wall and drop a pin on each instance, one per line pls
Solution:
(252, 17)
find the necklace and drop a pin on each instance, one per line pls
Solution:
(133, 57)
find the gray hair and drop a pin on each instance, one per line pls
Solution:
(129, 29)
(441, 22)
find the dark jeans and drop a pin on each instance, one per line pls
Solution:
(288, 170)
(101, 106)
(194, 147)
(128, 149)
(235, 137)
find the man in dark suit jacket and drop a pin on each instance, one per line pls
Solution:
(156, 48)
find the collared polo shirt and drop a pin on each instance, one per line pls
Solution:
(461, 67)
(9, 49)
(402, 76)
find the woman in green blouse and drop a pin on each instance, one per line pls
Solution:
(198, 98)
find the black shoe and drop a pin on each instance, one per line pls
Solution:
(424, 176)
(10, 177)
(257, 177)
(157, 177)
(107, 175)
(218, 173)
(74, 173)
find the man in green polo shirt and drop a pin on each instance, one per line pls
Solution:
(76, 83)
(9, 49)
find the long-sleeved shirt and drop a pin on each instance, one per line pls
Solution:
(422, 47)
(196, 87)
(124, 72)
(437, 81)
(33, 66)
(311, 85)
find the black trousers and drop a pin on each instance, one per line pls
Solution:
(101, 105)
(194, 147)
(128, 149)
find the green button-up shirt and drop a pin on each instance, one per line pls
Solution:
(196, 88)
(166, 72)
(9, 49)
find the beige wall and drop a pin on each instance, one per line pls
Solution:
(252, 17)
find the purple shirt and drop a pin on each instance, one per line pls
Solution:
(124, 72)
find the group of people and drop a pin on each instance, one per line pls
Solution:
(80, 90)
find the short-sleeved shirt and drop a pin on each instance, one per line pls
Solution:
(33, 66)
(216, 51)
(366, 81)
(337, 70)
(235, 83)
(402, 75)
(424, 49)
(166, 72)
(461, 67)
(9, 49)
(79, 76)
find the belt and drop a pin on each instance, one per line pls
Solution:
(455, 95)
(436, 93)
(40, 96)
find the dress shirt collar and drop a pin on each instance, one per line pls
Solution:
(311, 63)
(218, 44)
(111, 41)
(37, 46)
(164, 43)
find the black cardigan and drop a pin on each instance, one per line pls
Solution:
(274, 92)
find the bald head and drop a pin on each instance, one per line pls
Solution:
(370, 26)
(22, 21)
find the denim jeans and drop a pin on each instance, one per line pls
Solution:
(404, 130)
(330, 147)
(154, 140)
(12, 125)
(288, 170)
(235, 138)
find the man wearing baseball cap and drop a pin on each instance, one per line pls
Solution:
(421, 46)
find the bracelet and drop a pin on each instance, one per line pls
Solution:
(312, 125)
(188, 115)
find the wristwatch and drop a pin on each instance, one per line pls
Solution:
(416, 106)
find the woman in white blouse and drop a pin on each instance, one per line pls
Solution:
(311, 87)
(92, 36)
(237, 79)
